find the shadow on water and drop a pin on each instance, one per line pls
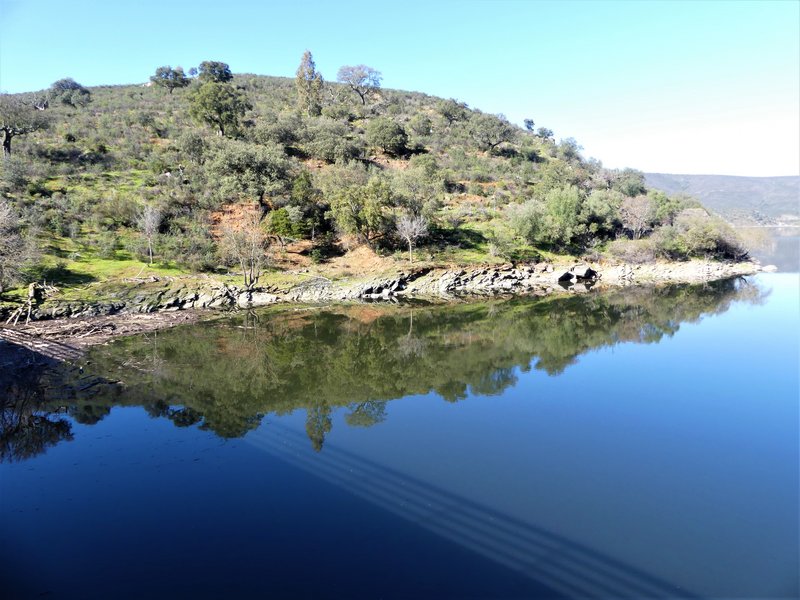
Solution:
(225, 376)
(571, 569)
(39, 388)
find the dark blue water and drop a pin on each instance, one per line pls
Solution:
(633, 444)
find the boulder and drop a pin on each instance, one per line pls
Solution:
(584, 272)
(262, 298)
(567, 277)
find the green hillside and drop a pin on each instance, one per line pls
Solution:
(247, 176)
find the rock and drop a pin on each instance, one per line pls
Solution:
(243, 300)
(584, 272)
(567, 277)
(262, 298)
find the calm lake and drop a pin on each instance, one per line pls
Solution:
(636, 443)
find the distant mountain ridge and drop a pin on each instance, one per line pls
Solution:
(741, 200)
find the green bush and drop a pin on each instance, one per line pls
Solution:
(331, 141)
(387, 135)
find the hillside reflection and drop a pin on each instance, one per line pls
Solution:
(226, 376)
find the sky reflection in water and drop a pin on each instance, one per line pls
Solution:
(510, 448)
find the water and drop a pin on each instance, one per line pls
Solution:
(632, 444)
(780, 247)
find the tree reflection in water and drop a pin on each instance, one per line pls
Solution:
(225, 376)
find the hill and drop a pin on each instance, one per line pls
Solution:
(247, 177)
(741, 200)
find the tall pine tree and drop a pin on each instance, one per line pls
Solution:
(309, 86)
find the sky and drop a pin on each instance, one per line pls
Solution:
(671, 87)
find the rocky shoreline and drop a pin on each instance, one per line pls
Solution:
(167, 294)
(144, 305)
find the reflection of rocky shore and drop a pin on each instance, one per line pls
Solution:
(226, 376)
(167, 294)
(37, 393)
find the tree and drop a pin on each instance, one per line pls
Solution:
(149, 221)
(562, 214)
(18, 118)
(214, 71)
(318, 424)
(170, 78)
(411, 227)
(306, 198)
(527, 220)
(452, 110)
(366, 414)
(193, 145)
(421, 124)
(309, 84)
(544, 133)
(286, 224)
(70, 92)
(282, 128)
(666, 208)
(529, 124)
(387, 134)
(601, 212)
(569, 150)
(12, 246)
(637, 215)
(363, 80)
(219, 105)
(251, 169)
(630, 182)
(359, 210)
(245, 243)
(489, 131)
(331, 141)
(420, 186)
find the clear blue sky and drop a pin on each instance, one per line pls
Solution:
(682, 87)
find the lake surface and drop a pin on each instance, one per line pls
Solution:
(781, 248)
(629, 444)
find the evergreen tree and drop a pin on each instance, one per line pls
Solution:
(309, 86)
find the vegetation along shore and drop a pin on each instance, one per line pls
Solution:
(204, 189)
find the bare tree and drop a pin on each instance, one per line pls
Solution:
(412, 227)
(245, 243)
(363, 80)
(14, 252)
(149, 221)
(18, 117)
(637, 215)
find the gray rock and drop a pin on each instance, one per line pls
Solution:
(584, 272)
(262, 298)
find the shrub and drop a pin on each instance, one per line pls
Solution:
(699, 234)
(331, 141)
(106, 244)
(387, 135)
(633, 251)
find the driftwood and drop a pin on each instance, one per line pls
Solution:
(37, 292)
